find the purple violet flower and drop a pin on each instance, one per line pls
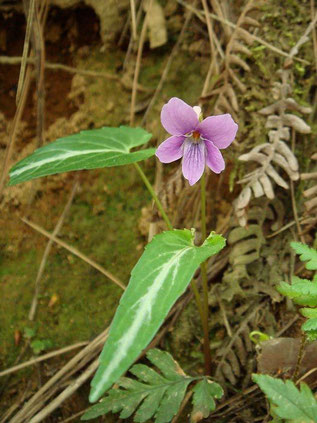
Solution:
(197, 142)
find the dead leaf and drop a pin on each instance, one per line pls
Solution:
(280, 355)
(54, 299)
(156, 24)
(17, 337)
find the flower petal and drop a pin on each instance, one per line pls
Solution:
(221, 130)
(193, 164)
(214, 157)
(171, 149)
(178, 118)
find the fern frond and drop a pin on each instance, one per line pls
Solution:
(203, 399)
(303, 291)
(155, 395)
(274, 153)
(298, 406)
(306, 254)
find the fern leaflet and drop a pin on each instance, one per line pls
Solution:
(298, 406)
(156, 395)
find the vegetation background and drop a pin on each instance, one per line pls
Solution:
(99, 63)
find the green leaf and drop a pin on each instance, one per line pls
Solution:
(40, 345)
(92, 149)
(165, 362)
(302, 291)
(306, 254)
(291, 403)
(310, 327)
(29, 332)
(203, 399)
(159, 278)
(311, 313)
(171, 403)
(153, 395)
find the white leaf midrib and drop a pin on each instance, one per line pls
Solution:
(142, 313)
(58, 159)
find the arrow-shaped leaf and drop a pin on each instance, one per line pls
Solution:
(92, 149)
(159, 278)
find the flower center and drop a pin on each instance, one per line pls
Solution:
(196, 137)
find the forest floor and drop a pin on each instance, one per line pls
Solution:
(111, 212)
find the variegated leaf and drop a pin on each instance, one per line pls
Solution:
(105, 147)
(159, 278)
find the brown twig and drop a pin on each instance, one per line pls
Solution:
(50, 387)
(27, 414)
(42, 358)
(15, 60)
(138, 65)
(224, 314)
(5, 417)
(300, 356)
(133, 19)
(283, 228)
(55, 403)
(303, 39)
(14, 129)
(213, 62)
(48, 249)
(22, 92)
(29, 12)
(132, 42)
(183, 405)
(312, 12)
(311, 371)
(75, 252)
(39, 50)
(71, 418)
(167, 67)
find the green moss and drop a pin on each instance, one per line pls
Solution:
(103, 224)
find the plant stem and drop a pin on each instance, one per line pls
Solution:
(300, 356)
(203, 268)
(198, 300)
(154, 196)
(202, 307)
(203, 206)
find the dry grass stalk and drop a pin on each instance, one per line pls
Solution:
(42, 358)
(228, 81)
(47, 251)
(78, 362)
(75, 252)
(138, 64)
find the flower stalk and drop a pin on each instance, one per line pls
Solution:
(203, 272)
(154, 196)
(201, 306)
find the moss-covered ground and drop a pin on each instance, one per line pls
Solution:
(76, 301)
